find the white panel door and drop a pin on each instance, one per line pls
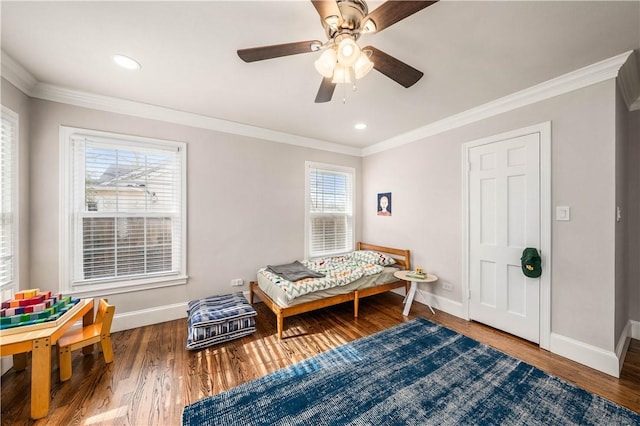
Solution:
(504, 218)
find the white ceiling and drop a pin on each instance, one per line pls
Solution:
(470, 52)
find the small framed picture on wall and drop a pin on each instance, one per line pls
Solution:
(384, 204)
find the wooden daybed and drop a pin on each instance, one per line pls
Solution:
(402, 258)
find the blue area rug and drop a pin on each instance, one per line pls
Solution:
(417, 373)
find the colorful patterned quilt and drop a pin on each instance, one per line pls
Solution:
(338, 270)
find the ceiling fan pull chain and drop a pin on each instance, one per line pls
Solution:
(352, 72)
(344, 94)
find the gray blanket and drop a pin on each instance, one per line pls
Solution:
(294, 271)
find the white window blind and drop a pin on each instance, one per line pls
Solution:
(8, 198)
(330, 208)
(127, 212)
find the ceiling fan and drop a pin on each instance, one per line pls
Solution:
(343, 61)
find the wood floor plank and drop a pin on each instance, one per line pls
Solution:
(153, 377)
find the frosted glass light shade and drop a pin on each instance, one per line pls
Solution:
(341, 74)
(362, 66)
(348, 52)
(326, 63)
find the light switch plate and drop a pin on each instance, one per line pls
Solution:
(563, 213)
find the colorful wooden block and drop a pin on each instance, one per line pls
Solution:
(37, 309)
(26, 294)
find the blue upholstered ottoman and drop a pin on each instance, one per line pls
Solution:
(218, 319)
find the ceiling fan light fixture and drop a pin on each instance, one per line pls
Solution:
(348, 52)
(326, 63)
(341, 74)
(344, 22)
(362, 66)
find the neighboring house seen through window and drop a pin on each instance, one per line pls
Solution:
(329, 209)
(124, 211)
(8, 203)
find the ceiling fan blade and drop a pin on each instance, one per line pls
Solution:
(393, 68)
(325, 93)
(327, 8)
(393, 11)
(277, 50)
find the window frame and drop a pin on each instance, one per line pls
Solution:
(8, 289)
(351, 172)
(69, 226)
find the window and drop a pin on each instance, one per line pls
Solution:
(123, 211)
(329, 209)
(8, 203)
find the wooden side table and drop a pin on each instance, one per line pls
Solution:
(402, 275)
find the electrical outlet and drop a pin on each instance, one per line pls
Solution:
(447, 286)
(237, 282)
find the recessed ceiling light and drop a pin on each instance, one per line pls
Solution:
(126, 62)
(360, 126)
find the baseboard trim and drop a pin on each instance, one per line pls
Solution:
(144, 317)
(634, 329)
(589, 355)
(623, 345)
(150, 316)
(438, 302)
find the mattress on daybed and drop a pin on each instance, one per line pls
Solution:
(278, 295)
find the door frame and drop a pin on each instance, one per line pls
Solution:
(544, 130)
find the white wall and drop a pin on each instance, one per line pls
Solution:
(425, 179)
(246, 205)
(245, 202)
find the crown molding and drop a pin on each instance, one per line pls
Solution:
(25, 82)
(629, 82)
(16, 74)
(583, 77)
(122, 106)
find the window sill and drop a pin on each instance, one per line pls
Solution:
(122, 287)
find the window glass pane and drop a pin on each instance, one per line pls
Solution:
(330, 210)
(159, 243)
(99, 247)
(120, 180)
(126, 206)
(125, 246)
(130, 256)
(8, 189)
(330, 234)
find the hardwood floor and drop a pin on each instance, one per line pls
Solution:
(153, 377)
